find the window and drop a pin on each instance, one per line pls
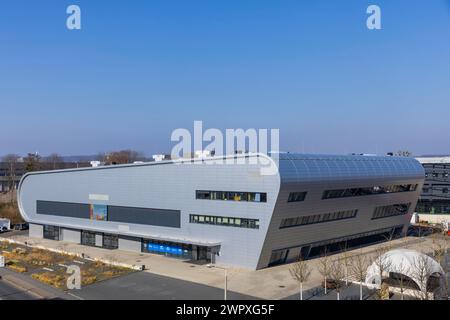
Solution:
(444, 190)
(391, 211)
(355, 192)
(225, 221)
(51, 232)
(296, 196)
(231, 196)
(317, 218)
(110, 241)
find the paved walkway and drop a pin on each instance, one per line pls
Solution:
(270, 283)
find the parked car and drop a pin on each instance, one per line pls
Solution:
(21, 226)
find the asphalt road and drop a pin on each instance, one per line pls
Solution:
(9, 292)
(147, 286)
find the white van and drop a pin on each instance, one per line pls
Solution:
(5, 225)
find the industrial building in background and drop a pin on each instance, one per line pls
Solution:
(434, 203)
(231, 214)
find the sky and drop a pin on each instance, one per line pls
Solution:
(137, 70)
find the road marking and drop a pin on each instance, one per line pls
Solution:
(48, 269)
(75, 296)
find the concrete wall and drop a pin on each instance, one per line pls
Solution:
(69, 235)
(36, 231)
(434, 218)
(130, 244)
(99, 240)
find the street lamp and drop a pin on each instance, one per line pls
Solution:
(225, 287)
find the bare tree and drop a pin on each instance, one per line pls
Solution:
(403, 280)
(11, 160)
(359, 266)
(301, 272)
(382, 261)
(346, 262)
(123, 157)
(324, 268)
(336, 274)
(422, 270)
(440, 251)
(403, 153)
(32, 162)
(54, 159)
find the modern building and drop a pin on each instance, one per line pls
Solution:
(434, 201)
(232, 214)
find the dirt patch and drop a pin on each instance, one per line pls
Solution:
(51, 267)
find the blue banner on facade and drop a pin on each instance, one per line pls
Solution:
(165, 249)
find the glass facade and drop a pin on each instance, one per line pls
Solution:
(225, 221)
(391, 211)
(355, 192)
(51, 232)
(433, 206)
(296, 196)
(317, 218)
(166, 248)
(88, 238)
(110, 241)
(231, 196)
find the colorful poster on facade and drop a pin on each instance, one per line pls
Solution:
(98, 212)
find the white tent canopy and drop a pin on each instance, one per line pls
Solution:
(415, 265)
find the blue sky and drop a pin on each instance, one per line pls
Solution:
(140, 69)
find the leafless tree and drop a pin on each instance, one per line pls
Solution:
(54, 159)
(301, 272)
(324, 268)
(32, 162)
(336, 274)
(440, 251)
(346, 262)
(11, 160)
(359, 266)
(403, 153)
(382, 261)
(123, 157)
(422, 270)
(403, 280)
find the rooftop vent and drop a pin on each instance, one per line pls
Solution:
(202, 153)
(158, 157)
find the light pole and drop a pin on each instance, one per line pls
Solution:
(225, 287)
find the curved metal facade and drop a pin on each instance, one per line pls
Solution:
(171, 186)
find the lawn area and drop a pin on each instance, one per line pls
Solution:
(51, 267)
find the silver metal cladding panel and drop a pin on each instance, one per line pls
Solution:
(73, 236)
(317, 173)
(36, 231)
(172, 187)
(167, 186)
(130, 244)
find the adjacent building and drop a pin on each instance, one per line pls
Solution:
(233, 214)
(434, 202)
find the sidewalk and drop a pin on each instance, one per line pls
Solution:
(270, 283)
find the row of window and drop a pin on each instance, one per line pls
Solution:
(231, 196)
(436, 174)
(391, 210)
(318, 218)
(433, 207)
(225, 221)
(296, 196)
(432, 188)
(354, 192)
